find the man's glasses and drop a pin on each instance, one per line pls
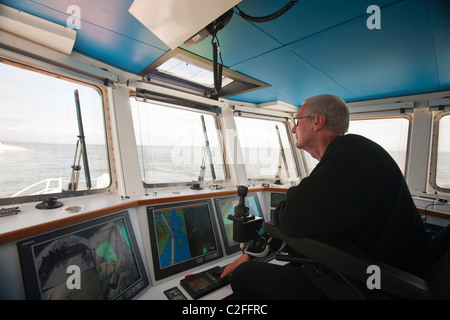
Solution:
(296, 119)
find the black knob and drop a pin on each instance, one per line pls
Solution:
(49, 203)
(241, 210)
(242, 191)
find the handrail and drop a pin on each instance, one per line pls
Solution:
(48, 190)
(42, 191)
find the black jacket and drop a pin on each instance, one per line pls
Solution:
(358, 194)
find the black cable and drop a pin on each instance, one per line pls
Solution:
(424, 219)
(217, 67)
(267, 18)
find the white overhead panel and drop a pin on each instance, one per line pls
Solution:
(43, 32)
(175, 21)
(278, 106)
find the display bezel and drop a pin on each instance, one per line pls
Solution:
(161, 272)
(28, 260)
(276, 198)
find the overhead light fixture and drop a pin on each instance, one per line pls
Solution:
(175, 21)
(182, 70)
(43, 32)
(190, 72)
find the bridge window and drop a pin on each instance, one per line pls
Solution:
(443, 153)
(39, 133)
(390, 133)
(266, 149)
(176, 146)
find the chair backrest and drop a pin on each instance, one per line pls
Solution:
(438, 278)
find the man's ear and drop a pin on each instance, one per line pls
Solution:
(319, 122)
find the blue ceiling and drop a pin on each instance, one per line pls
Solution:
(319, 46)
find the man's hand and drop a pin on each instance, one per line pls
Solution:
(230, 268)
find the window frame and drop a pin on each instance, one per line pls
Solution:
(102, 94)
(201, 110)
(434, 151)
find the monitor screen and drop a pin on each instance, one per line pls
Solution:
(276, 198)
(94, 260)
(224, 207)
(182, 236)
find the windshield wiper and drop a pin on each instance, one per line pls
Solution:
(282, 156)
(80, 151)
(206, 152)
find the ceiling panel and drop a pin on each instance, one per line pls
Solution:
(398, 59)
(307, 17)
(130, 55)
(292, 78)
(318, 46)
(108, 32)
(239, 41)
(440, 28)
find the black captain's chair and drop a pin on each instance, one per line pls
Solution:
(340, 271)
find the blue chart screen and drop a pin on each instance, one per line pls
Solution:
(183, 234)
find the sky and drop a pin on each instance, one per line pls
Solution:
(41, 109)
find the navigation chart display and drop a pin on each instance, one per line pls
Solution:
(182, 236)
(95, 260)
(224, 207)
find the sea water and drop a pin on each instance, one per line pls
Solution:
(24, 164)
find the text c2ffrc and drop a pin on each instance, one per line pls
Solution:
(231, 309)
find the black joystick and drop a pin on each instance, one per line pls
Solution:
(241, 210)
(244, 224)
